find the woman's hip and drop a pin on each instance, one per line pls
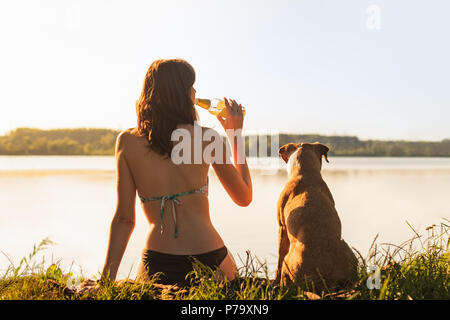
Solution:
(173, 268)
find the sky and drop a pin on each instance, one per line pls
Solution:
(376, 69)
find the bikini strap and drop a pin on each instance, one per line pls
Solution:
(174, 198)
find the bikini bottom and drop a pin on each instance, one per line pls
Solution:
(175, 267)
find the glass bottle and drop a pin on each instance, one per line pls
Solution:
(215, 106)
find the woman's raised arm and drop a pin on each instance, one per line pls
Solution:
(235, 178)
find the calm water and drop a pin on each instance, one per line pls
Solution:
(71, 200)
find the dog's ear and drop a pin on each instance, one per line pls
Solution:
(323, 150)
(286, 150)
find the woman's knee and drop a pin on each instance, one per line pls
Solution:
(228, 267)
(142, 274)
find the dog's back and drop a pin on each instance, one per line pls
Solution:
(306, 210)
(314, 231)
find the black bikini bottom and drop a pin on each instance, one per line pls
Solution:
(175, 267)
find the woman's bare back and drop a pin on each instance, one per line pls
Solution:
(156, 176)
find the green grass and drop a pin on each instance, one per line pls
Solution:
(415, 269)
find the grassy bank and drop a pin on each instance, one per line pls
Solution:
(418, 268)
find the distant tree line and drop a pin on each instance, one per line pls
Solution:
(91, 141)
(352, 146)
(83, 141)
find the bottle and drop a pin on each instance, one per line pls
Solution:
(215, 106)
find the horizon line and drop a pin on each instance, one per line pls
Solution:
(256, 132)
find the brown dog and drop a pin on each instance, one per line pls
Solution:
(310, 246)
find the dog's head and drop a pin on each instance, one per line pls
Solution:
(306, 155)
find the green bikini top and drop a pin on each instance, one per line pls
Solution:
(174, 198)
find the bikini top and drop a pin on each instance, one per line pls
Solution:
(174, 198)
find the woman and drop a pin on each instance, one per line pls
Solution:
(173, 196)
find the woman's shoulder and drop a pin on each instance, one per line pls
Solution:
(132, 131)
(128, 136)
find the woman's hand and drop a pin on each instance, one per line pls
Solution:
(234, 119)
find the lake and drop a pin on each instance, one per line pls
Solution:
(71, 200)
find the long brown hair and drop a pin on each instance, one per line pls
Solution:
(165, 102)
